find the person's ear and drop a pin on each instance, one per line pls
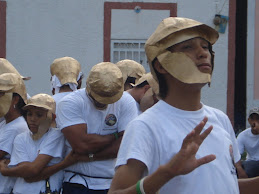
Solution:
(53, 117)
(16, 100)
(79, 82)
(146, 88)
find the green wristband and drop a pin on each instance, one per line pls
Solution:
(116, 135)
(138, 188)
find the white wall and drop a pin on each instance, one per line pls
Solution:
(251, 102)
(39, 31)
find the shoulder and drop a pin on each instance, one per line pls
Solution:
(73, 98)
(245, 132)
(59, 96)
(18, 125)
(126, 97)
(55, 132)
(217, 114)
(22, 137)
(215, 111)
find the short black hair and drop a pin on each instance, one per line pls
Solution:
(20, 104)
(163, 88)
(130, 80)
(254, 116)
(142, 84)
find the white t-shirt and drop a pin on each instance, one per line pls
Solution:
(249, 142)
(1, 119)
(57, 97)
(8, 132)
(157, 134)
(26, 150)
(77, 108)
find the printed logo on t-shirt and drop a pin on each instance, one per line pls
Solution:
(233, 170)
(110, 120)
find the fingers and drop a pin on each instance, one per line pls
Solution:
(200, 126)
(195, 135)
(206, 133)
(205, 159)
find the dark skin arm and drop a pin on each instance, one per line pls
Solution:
(249, 185)
(83, 143)
(72, 158)
(240, 171)
(25, 169)
(47, 171)
(2, 154)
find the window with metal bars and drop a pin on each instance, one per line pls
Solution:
(129, 49)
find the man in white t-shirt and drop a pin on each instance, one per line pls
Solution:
(66, 77)
(93, 121)
(131, 72)
(248, 141)
(12, 99)
(145, 92)
(162, 148)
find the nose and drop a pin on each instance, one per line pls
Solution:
(202, 52)
(32, 118)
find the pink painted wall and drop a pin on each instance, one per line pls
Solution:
(256, 51)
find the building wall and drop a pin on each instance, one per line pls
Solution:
(39, 31)
(252, 57)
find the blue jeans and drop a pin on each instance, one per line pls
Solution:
(251, 168)
(73, 188)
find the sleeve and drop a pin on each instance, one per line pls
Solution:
(128, 111)
(19, 153)
(137, 143)
(54, 144)
(69, 112)
(7, 139)
(230, 129)
(240, 143)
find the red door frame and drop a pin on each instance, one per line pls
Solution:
(109, 6)
(3, 29)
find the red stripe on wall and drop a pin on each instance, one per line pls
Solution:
(2, 29)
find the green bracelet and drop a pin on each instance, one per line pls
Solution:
(116, 135)
(138, 188)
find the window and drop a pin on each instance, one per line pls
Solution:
(129, 49)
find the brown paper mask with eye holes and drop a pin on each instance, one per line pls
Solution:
(5, 103)
(15, 84)
(130, 68)
(105, 83)
(66, 69)
(180, 66)
(174, 30)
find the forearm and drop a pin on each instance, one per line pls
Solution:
(151, 184)
(2, 154)
(109, 152)
(240, 171)
(48, 171)
(92, 143)
(248, 185)
(22, 170)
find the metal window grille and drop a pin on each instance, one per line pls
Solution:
(129, 49)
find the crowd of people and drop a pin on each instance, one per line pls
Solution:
(127, 131)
